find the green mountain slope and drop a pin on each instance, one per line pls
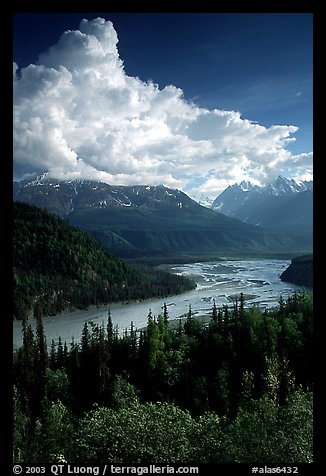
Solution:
(58, 267)
(300, 271)
(182, 230)
(140, 220)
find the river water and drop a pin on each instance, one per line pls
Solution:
(221, 281)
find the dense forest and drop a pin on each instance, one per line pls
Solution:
(57, 268)
(300, 271)
(139, 220)
(235, 389)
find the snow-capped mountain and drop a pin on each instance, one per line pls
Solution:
(208, 202)
(284, 186)
(202, 199)
(233, 196)
(133, 220)
(284, 204)
(63, 197)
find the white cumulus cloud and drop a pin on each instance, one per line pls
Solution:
(77, 114)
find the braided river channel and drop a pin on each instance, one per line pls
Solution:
(222, 281)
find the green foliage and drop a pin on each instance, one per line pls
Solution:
(207, 439)
(303, 259)
(53, 434)
(20, 423)
(58, 267)
(142, 433)
(57, 386)
(194, 229)
(124, 395)
(238, 389)
(271, 434)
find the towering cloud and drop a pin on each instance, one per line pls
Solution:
(78, 114)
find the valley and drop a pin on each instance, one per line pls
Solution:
(222, 281)
(140, 221)
(59, 268)
(162, 278)
(135, 304)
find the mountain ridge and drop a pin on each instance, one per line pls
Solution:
(58, 268)
(97, 194)
(144, 218)
(284, 204)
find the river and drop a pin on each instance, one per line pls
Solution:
(220, 280)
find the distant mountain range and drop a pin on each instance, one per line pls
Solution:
(152, 219)
(282, 205)
(66, 197)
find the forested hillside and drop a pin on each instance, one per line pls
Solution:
(300, 271)
(137, 221)
(58, 267)
(238, 389)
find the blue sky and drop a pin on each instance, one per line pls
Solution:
(258, 65)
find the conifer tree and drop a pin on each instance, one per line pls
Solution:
(241, 306)
(133, 341)
(226, 316)
(165, 314)
(53, 355)
(103, 368)
(29, 376)
(236, 313)
(214, 312)
(65, 354)
(180, 328)
(189, 324)
(41, 342)
(281, 306)
(85, 340)
(268, 335)
(109, 330)
(60, 354)
(220, 319)
(153, 344)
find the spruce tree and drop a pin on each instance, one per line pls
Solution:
(60, 354)
(29, 378)
(103, 369)
(53, 355)
(133, 341)
(220, 320)
(189, 324)
(165, 314)
(226, 316)
(85, 340)
(214, 312)
(41, 342)
(268, 335)
(109, 330)
(241, 306)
